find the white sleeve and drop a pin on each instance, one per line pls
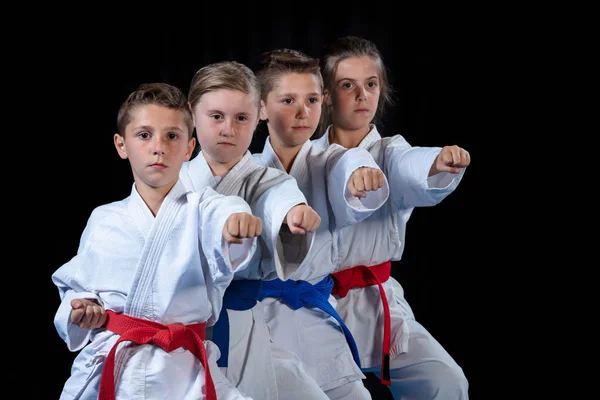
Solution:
(74, 336)
(407, 169)
(223, 258)
(341, 164)
(272, 208)
(69, 288)
(218, 255)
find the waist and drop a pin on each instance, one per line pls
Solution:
(297, 294)
(360, 276)
(169, 336)
(242, 294)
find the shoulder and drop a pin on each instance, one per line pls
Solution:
(258, 158)
(107, 223)
(108, 214)
(389, 143)
(270, 182)
(268, 175)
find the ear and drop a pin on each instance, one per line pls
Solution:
(192, 111)
(263, 111)
(190, 148)
(120, 145)
(326, 97)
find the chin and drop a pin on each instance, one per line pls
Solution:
(298, 139)
(229, 158)
(354, 125)
(157, 185)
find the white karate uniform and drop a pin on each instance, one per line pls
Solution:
(172, 268)
(256, 365)
(414, 357)
(314, 335)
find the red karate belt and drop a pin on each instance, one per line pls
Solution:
(363, 276)
(167, 337)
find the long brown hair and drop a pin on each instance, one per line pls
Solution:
(341, 49)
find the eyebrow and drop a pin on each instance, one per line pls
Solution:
(174, 128)
(149, 128)
(353, 80)
(215, 111)
(143, 128)
(295, 94)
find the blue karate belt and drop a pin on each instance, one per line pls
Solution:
(298, 294)
(240, 295)
(243, 295)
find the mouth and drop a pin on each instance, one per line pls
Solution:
(361, 110)
(226, 143)
(158, 165)
(301, 128)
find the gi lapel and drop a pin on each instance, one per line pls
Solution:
(141, 287)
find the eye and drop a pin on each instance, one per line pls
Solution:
(144, 135)
(216, 117)
(242, 118)
(313, 100)
(372, 84)
(347, 85)
(287, 101)
(172, 136)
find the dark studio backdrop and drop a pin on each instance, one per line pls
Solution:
(435, 74)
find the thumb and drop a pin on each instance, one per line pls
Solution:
(229, 238)
(296, 230)
(446, 158)
(76, 303)
(448, 168)
(295, 217)
(354, 191)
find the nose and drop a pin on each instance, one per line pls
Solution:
(159, 146)
(228, 129)
(362, 94)
(302, 112)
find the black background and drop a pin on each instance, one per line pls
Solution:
(439, 73)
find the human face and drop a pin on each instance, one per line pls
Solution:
(355, 94)
(225, 121)
(157, 143)
(293, 108)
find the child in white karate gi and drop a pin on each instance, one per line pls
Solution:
(158, 262)
(345, 187)
(391, 342)
(225, 100)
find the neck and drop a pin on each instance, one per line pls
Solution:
(348, 138)
(153, 197)
(285, 153)
(219, 168)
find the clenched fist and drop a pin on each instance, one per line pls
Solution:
(240, 226)
(451, 159)
(365, 179)
(87, 314)
(302, 218)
